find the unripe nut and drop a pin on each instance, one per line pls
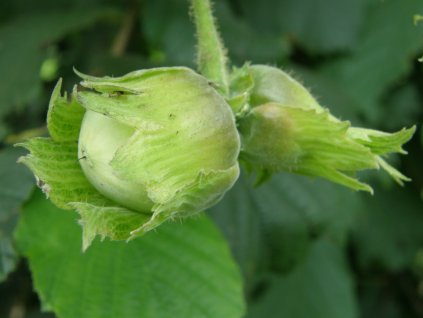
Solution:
(259, 129)
(158, 140)
(99, 139)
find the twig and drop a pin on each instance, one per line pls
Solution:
(122, 38)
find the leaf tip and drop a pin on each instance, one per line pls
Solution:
(80, 74)
(87, 237)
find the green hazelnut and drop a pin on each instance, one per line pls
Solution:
(130, 152)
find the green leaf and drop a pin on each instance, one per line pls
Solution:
(25, 6)
(321, 288)
(15, 185)
(8, 255)
(328, 92)
(169, 32)
(54, 162)
(116, 223)
(181, 270)
(58, 173)
(381, 143)
(388, 43)
(239, 217)
(381, 299)
(64, 116)
(389, 231)
(402, 106)
(287, 232)
(319, 26)
(24, 42)
(245, 42)
(323, 207)
(273, 225)
(241, 84)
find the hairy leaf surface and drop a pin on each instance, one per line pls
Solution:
(182, 270)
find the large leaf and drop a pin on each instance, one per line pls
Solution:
(385, 48)
(319, 26)
(320, 288)
(240, 219)
(40, 5)
(402, 107)
(245, 42)
(170, 34)
(326, 208)
(389, 232)
(169, 31)
(274, 224)
(16, 183)
(385, 296)
(24, 43)
(181, 270)
(328, 93)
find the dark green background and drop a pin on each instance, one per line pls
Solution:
(306, 248)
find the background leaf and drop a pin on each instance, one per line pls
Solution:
(239, 218)
(182, 270)
(169, 32)
(170, 35)
(318, 26)
(21, 82)
(272, 227)
(381, 57)
(389, 232)
(322, 287)
(359, 58)
(16, 183)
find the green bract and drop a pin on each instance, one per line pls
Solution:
(287, 130)
(154, 144)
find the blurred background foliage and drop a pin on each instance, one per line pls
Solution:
(306, 248)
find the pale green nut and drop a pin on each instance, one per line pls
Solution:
(130, 152)
(286, 129)
(99, 140)
(142, 144)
